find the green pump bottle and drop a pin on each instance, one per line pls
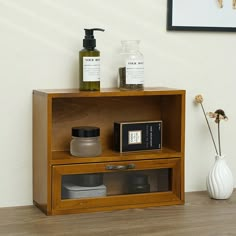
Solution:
(89, 63)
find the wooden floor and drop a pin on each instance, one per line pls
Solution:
(199, 216)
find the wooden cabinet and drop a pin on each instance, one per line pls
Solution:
(55, 112)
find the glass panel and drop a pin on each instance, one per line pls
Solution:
(116, 183)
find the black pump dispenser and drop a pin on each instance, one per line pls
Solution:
(89, 41)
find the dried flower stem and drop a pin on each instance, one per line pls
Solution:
(210, 129)
(219, 138)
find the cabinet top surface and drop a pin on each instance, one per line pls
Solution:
(108, 92)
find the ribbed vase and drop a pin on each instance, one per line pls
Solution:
(220, 182)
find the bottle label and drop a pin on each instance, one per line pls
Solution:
(91, 69)
(134, 72)
(135, 137)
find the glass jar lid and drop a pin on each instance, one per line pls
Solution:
(85, 131)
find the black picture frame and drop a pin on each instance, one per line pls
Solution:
(186, 27)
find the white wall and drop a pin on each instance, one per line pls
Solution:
(39, 44)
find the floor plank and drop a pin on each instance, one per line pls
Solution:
(199, 216)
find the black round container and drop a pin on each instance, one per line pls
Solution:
(90, 180)
(138, 184)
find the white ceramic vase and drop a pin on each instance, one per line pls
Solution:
(220, 182)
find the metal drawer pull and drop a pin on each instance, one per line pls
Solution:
(120, 167)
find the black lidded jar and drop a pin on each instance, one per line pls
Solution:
(138, 183)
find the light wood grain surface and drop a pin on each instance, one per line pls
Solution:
(199, 216)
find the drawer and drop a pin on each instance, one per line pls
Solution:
(115, 185)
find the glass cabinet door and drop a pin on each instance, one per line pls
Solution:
(114, 184)
(78, 186)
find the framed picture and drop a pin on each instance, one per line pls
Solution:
(201, 15)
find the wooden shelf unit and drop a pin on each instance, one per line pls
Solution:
(55, 112)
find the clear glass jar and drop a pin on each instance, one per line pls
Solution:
(85, 141)
(131, 68)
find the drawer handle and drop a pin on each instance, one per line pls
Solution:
(120, 167)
